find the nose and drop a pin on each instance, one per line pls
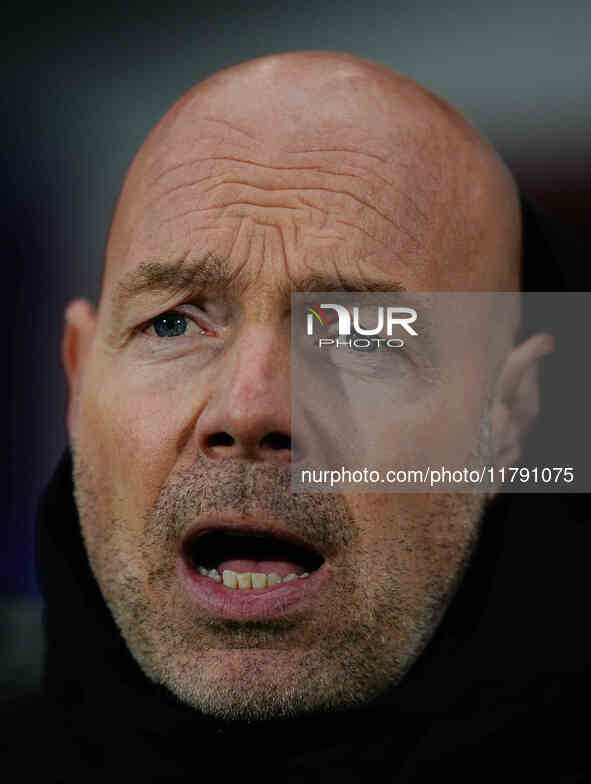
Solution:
(247, 414)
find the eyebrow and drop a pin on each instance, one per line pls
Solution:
(212, 274)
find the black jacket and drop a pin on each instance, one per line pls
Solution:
(498, 694)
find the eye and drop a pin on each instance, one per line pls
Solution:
(170, 325)
(174, 324)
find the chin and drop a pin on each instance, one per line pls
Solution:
(262, 685)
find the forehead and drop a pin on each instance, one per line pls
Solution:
(301, 196)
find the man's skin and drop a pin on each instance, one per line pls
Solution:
(306, 170)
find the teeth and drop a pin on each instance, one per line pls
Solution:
(229, 578)
(244, 580)
(248, 580)
(258, 580)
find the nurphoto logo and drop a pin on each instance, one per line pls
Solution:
(352, 334)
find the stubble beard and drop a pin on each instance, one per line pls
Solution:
(273, 670)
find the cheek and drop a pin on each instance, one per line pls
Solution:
(444, 429)
(417, 540)
(452, 431)
(129, 434)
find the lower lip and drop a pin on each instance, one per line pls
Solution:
(277, 601)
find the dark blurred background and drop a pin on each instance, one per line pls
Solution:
(82, 87)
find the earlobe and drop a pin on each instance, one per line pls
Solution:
(80, 324)
(516, 403)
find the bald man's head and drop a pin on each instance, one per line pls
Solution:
(309, 172)
(446, 202)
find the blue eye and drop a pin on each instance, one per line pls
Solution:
(170, 325)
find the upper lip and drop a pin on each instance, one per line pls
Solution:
(253, 525)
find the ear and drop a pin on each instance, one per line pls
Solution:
(79, 332)
(516, 403)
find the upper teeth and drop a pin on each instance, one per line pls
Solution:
(246, 580)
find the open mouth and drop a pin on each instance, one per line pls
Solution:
(249, 560)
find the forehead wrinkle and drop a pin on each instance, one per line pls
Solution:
(410, 128)
(213, 274)
(230, 126)
(271, 151)
(339, 150)
(319, 168)
(397, 225)
(410, 221)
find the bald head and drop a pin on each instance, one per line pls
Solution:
(301, 172)
(397, 162)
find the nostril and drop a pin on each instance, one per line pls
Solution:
(276, 441)
(220, 439)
